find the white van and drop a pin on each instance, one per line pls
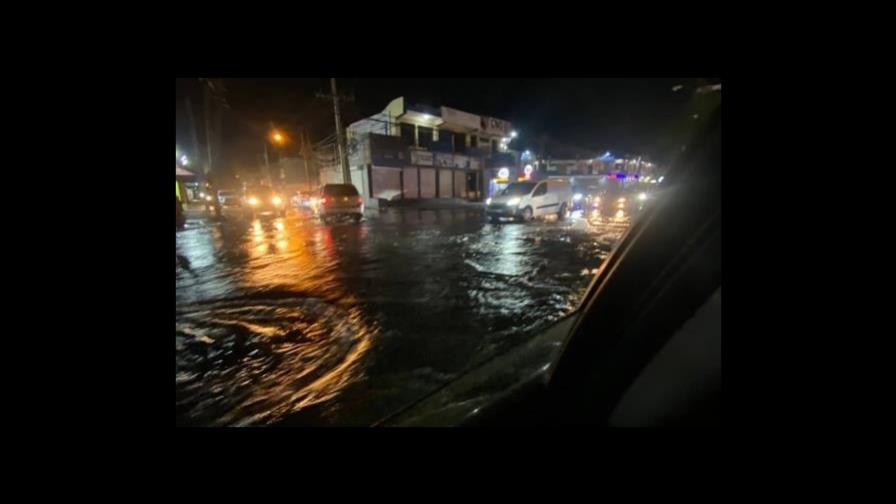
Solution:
(525, 200)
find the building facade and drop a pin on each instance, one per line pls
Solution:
(413, 151)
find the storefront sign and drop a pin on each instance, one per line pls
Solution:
(424, 158)
(494, 126)
(444, 160)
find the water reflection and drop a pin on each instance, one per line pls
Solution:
(289, 337)
(339, 324)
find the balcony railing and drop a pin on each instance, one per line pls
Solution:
(388, 150)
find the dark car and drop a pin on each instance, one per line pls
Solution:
(339, 200)
(263, 200)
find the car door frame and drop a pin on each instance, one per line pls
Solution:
(539, 203)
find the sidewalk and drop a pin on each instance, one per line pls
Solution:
(434, 204)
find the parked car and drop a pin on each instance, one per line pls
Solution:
(338, 200)
(527, 200)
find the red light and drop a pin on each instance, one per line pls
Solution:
(324, 201)
(360, 200)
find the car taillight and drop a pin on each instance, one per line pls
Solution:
(324, 201)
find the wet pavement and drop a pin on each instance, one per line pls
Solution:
(290, 321)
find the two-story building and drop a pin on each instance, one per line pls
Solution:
(411, 151)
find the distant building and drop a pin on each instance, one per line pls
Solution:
(411, 151)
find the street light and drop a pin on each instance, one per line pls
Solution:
(513, 134)
(277, 138)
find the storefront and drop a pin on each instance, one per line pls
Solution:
(499, 178)
(187, 186)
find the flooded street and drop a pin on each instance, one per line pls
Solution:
(290, 321)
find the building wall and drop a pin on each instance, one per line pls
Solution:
(386, 182)
(410, 182)
(395, 108)
(359, 180)
(403, 152)
(446, 179)
(460, 119)
(427, 183)
(330, 175)
(460, 184)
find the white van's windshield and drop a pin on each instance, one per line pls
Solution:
(518, 189)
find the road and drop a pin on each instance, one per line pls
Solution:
(290, 321)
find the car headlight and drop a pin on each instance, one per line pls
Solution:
(488, 201)
(577, 196)
(642, 196)
(513, 202)
(253, 200)
(276, 200)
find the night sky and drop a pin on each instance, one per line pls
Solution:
(624, 116)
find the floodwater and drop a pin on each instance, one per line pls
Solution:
(292, 322)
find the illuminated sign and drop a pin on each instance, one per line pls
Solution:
(503, 173)
(528, 170)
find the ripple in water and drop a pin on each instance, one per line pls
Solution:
(246, 363)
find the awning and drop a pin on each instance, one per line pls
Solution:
(182, 173)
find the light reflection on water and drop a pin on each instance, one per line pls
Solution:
(338, 324)
(294, 338)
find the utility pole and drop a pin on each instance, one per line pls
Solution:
(208, 136)
(267, 167)
(196, 151)
(340, 135)
(340, 139)
(305, 161)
